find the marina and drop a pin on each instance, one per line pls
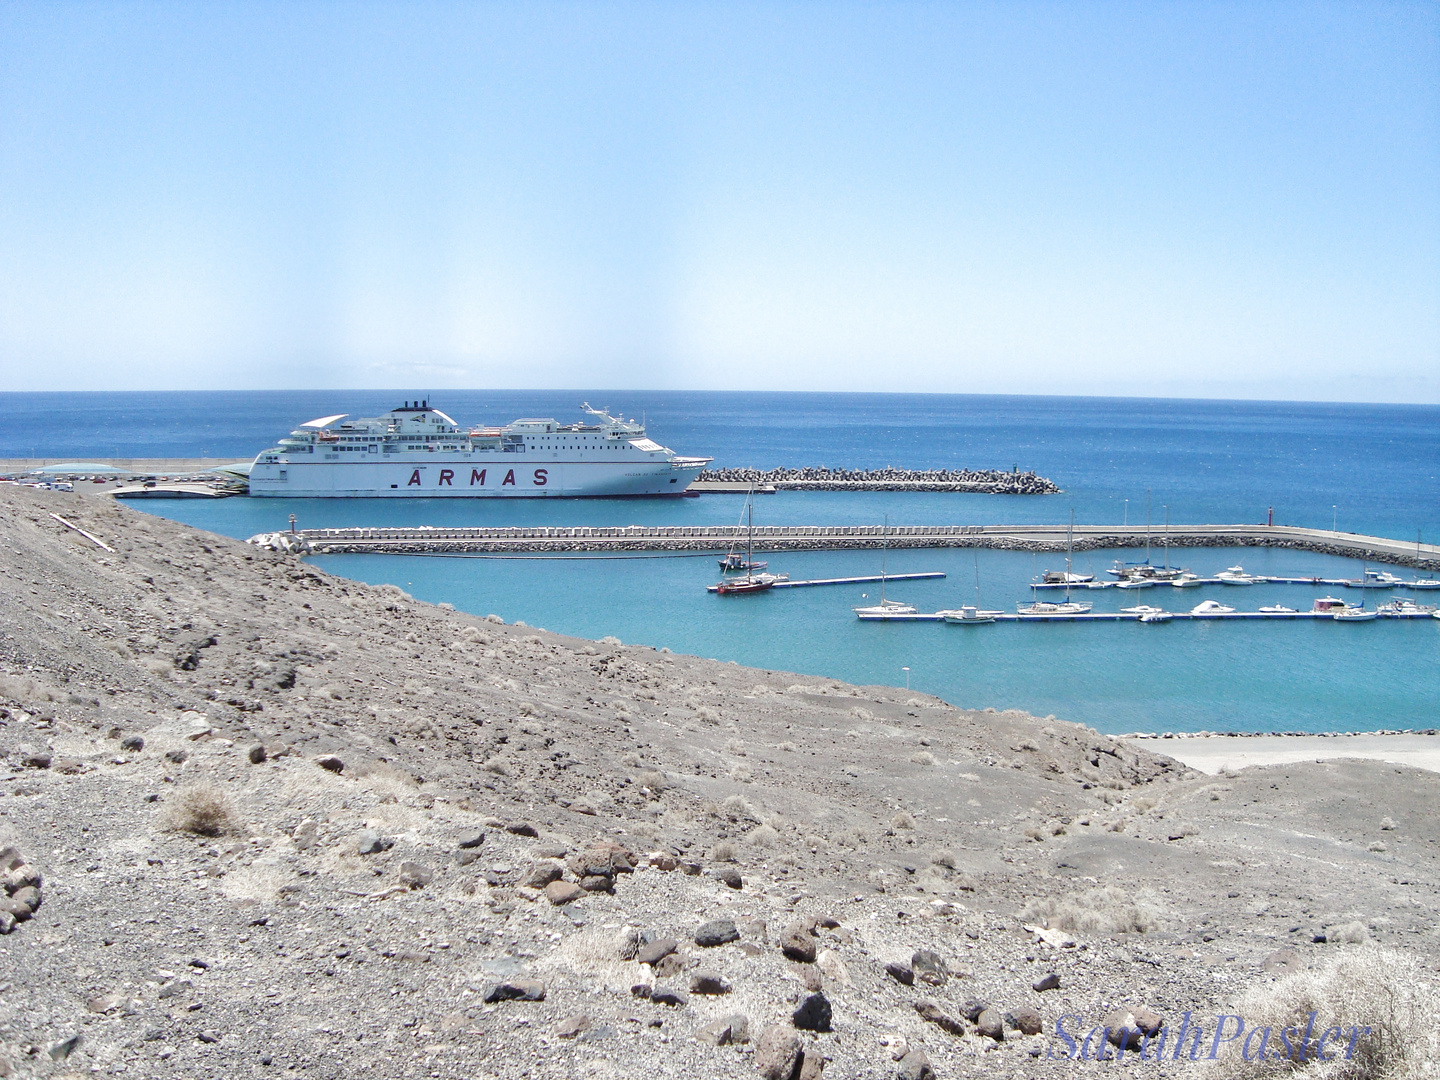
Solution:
(848, 580)
(1122, 616)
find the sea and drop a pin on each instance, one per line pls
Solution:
(1361, 468)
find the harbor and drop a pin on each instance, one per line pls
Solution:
(1123, 616)
(785, 583)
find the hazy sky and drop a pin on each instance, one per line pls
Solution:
(1210, 199)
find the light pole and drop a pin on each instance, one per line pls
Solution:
(1127, 511)
(907, 677)
(1334, 517)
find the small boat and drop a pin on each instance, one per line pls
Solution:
(1065, 577)
(1186, 580)
(1137, 583)
(1236, 575)
(1425, 583)
(1374, 579)
(887, 607)
(1211, 607)
(1278, 609)
(1045, 607)
(969, 615)
(750, 583)
(1355, 614)
(1156, 617)
(1328, 603)
(1402, 607)
(1141, 609)
(735, 562)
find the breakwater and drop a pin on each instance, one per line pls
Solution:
(992, 481)
(1040, 538)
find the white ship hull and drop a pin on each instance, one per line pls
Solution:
(470, 476)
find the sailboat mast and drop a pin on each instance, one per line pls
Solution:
(1147, 526)
(750, 541)
(1069, 552)
(1167, 536)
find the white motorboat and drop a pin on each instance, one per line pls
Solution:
(1137, 583)
(1156, 617)
(1186, 580)
(969, 615)
(1425, 583)
(1211, 607)
(1236, 575)
(1403, 607)
(1355, 614)
(1323, 604)
(1058, 577)
(1278, 609)
(1141, 609)
(1374, 579)
(1045, 607)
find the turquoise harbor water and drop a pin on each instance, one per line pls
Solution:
(1372, 469)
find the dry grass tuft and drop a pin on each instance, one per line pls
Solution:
(943, 858)
(653, 779)
(923, 757)
(1106, 910)
(1350, 933)
(902, 820)
(724, 851)
(201, 809)
(763, 836)
(1389, 992)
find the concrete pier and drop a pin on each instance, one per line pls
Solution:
(772, 538)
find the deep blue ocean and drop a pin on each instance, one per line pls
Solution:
(1366, 468)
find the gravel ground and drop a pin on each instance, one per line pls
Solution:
(291, 824)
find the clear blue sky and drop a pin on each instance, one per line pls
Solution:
(1190, 199)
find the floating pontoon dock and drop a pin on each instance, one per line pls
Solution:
(1125, 616)
(845, 580)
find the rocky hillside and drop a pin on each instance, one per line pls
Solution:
(272, 822)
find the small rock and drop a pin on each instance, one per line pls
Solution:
(175, 987)
(1148, 1020)
(662, 860)
(777, 1053)
(572, 1026)
(549, 851)
(991, 1024)
(932, 1012)
(515, 990)
(725, 1031)
(177, 757)
(811, 977)
(834, 968)
(470, 840)
(7, 921)
(972, 1009)
(67, 766)
(37, 761)
(797, 942)
(915, 1066)
(929, 967)
(899, 1046)
(105, 1003)
(709, 982)
(598, 883)
(1024, 1020)
(901, 973)
(813, 1014)
(729, 876)
(18, 877)
(132, 743)
(199, 964)
(563, 892)
(1047, 982)
(62, 1050)
(10, 857)
(543, 873)
(330, 763)
(521, 828)
(812, 1065)
(640, 990)
(670, 965)
(258, 755)
(415, 875)
(716, 932)
(208, 1036)
(368, 843)
(656, 950)
(690, 869)
(669, 995)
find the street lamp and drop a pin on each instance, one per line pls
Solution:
(1334, 517)
(907, 677)
(1127, 511)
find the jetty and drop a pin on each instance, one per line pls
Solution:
(1125, 616)
(769, 481)
(427, 540)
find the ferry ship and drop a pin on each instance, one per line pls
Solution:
(417, 450)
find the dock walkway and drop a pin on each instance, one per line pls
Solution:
(426, 540)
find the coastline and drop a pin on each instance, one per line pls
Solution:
(1214, 753)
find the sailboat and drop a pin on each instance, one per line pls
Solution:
(885, 607)
(751, 582)
(733, 562)
(1069, 607)
(971, 614)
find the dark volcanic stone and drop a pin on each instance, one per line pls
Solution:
(716, 932)
(813, 1014)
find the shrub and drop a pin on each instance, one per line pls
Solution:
(201, 809)
(1389, 992)
(902, 820)
(943, 858)
(923, 757)
(1350, 933)
(724, 851)
(1106, 910)
(763, 836)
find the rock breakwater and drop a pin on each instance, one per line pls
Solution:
(993, 481)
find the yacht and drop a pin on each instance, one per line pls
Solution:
(417, 451)
(1235, 575)
(1325, 604)
(1046, 607)
(1375, 579)
(1211, 607)
(1156, 617)
(1278, 609)
(969, 615)
(1355, 614)
(1141, 609)
(886, 608)
(1186, 580)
